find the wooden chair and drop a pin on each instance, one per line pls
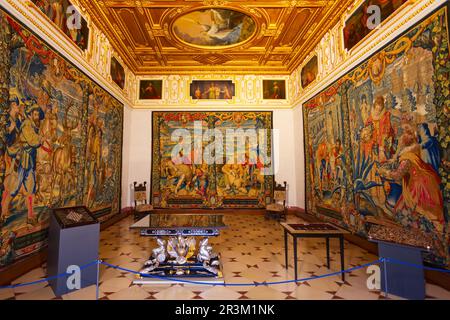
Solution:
(278, 209)
(141, 207)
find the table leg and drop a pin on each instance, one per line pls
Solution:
(295, 256)
(328, 252)
(341, 242)
(286, 259)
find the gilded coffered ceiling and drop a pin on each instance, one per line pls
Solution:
(240, 37)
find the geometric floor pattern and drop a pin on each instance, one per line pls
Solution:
(252, 252)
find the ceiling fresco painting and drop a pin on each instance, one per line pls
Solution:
(214, 28)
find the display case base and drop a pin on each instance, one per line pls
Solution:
(198, 281)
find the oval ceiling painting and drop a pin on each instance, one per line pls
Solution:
(214, 27)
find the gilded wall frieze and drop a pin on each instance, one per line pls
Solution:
(335, 60)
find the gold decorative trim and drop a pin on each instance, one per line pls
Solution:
(60, 41)
(377, 39)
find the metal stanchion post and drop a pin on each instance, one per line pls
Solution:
(385, 278)
(97, 285)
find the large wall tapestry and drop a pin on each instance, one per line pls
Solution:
(377, 142)
(60, 141)
(186, 174)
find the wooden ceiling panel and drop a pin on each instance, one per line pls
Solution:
(150, 60)
(298, 22)
(166, 43)
(132, 25)
(275, 14)
(240, 37)
(155, 15)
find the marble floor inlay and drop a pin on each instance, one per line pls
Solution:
(252, 253)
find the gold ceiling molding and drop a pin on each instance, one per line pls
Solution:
(142, 34)
(212, 59)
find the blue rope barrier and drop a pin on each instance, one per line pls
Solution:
(65, 274)
(255, 284)
(243, 284)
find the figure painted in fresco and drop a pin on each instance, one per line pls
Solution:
(58, 17)
(25, 157)
(117, 73)
(309, 72)
(308, 78)
(150, 92)
(213, 92)
(214, 27)
(226, 92)
(198, 93)
(275, 91)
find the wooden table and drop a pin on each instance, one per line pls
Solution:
(313, 230)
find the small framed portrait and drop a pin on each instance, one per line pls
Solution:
(274, 89)
(357, 27)
(117, 73)
(150, 89)
(61, 13)
(310, 71)
(212, 90)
